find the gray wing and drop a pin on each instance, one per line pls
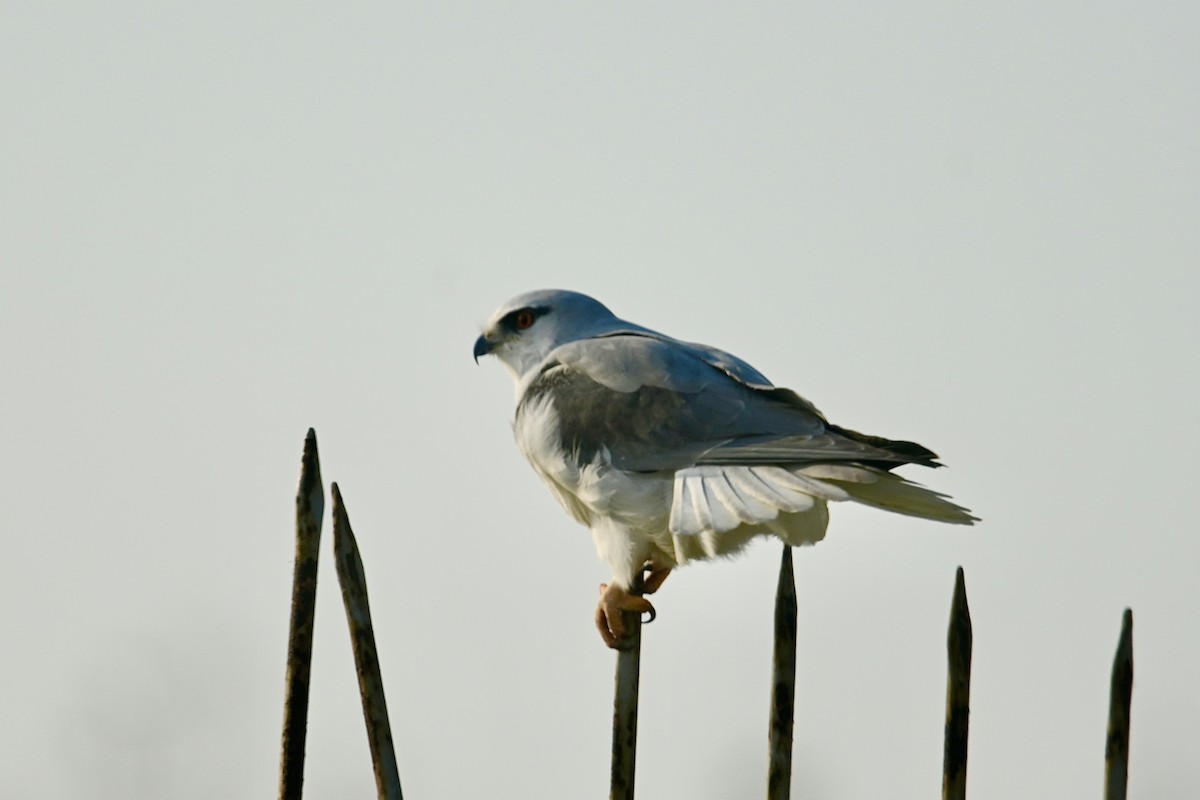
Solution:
(655, 404)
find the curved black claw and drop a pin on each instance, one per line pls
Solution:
(653, 616)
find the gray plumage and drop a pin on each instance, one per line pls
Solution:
(671, 451)
(656, 405)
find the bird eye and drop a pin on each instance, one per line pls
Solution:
(523, 319)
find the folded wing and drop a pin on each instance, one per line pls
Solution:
(651, 404)
(742, 454)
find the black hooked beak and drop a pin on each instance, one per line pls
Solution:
(482, 347)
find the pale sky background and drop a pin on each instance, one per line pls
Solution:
(975, 226)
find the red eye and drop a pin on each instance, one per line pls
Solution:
(523, 320)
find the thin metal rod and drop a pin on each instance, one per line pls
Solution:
(783, 683)
(366, 659)
(310, 509)
(1116, 750)
(625, 704)
(958, 694)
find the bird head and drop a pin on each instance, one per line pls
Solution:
(523, 331)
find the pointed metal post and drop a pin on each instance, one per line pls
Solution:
(353, 579)
(958, 694)
(625, 704)
(310, 509)
(1116, 749)
(783, 683)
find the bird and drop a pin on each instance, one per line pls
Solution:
(672, 452)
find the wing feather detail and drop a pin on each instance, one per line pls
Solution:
(720, 499)
(700, 508)
(726, 511)
(755, 479)
(745, 488)
(828, 446)
(881, 489)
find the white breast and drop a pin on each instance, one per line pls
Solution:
(639, 502)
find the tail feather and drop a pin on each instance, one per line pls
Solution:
(882, 489)
(716, 510)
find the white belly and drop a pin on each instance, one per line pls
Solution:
(630, 513)
(627, 513)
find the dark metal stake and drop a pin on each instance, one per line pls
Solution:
(783, 683)
(958, 694)
(366, 659)
(625, 704)
(1116, 750)
(310, 508)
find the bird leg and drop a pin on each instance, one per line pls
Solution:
(654, 577)
(613, 601)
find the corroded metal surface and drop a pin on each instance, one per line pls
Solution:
(310, 509)
(366, 659)
(625, 705)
